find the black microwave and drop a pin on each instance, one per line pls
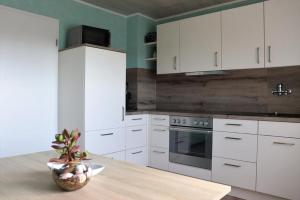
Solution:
(88, 35)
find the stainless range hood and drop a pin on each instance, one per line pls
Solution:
(206, 73)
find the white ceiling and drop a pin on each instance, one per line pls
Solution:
(155, 8)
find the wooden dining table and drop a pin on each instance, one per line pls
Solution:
(27, 177)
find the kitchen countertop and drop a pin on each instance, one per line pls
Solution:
(242, 116)
(28, 178)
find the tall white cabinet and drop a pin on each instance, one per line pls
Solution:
(92, 96)
(243, 37)
(28, 82)
(282, 29)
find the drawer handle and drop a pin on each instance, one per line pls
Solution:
(160, 119)
(138, 152)
(160, 130)
(107, 134)
(136, 119)
(137, 130)
(231, 124)
(232, 165)
(160, 152)
(233, 138)
(284, 143)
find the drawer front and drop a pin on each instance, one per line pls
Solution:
(105, 141)
(116, 156)
(159, 158)
(235, 146)
(190, 171)
(283, 129)
(234, 173)
(135, 120)
(159, 136)
(160, 120)
(137, 156)
(235, 126)
(136, 136)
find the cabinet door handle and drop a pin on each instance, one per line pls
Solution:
(123, 113)
(216, 59)
(232, 165)
(269, 54)
(159, 130)
(257, 55)
(284, 143)
(160, 152)
(138, 152)
(175, 62)
(137, 130)
(107, 134)
(233, 138)
(159, 119)
(231, 124)
(136, 119)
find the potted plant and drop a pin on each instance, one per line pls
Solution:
(68, 171)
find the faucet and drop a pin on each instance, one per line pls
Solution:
(280, 90)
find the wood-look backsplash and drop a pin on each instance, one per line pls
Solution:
(237, 91)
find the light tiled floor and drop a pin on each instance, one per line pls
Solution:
(231, 198)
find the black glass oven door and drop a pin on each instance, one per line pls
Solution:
(191, 146)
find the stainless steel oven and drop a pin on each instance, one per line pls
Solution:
(191, 141)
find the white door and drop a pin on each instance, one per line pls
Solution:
(105, 79)
(200, 43)
(282, 22)
(243, 37)
(28, 81)
(278, 167)
(168, 48)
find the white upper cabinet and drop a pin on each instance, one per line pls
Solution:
(168, 48)
(200, 43)
(282, 27)
(104, 89)
(243, 37)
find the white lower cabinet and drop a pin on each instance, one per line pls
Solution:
(105, 141)
(116, 156)
(278, 167)
(136, 139)
(159, 158)
(136, 136)
(235, 173)
(159, 142)
(160, 120)
(235, 146)
(159, 136)
(137, 156)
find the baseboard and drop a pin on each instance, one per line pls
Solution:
(251, 195)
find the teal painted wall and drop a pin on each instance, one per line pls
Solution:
(211, 10)
(137, 27)
(71, 13)
(132, 42)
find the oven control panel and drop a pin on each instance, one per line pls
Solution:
(198, 122)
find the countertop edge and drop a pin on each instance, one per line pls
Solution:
(221, 116)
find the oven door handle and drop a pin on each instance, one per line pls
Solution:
(191, 130)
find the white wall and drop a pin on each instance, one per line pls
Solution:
(28, 82)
